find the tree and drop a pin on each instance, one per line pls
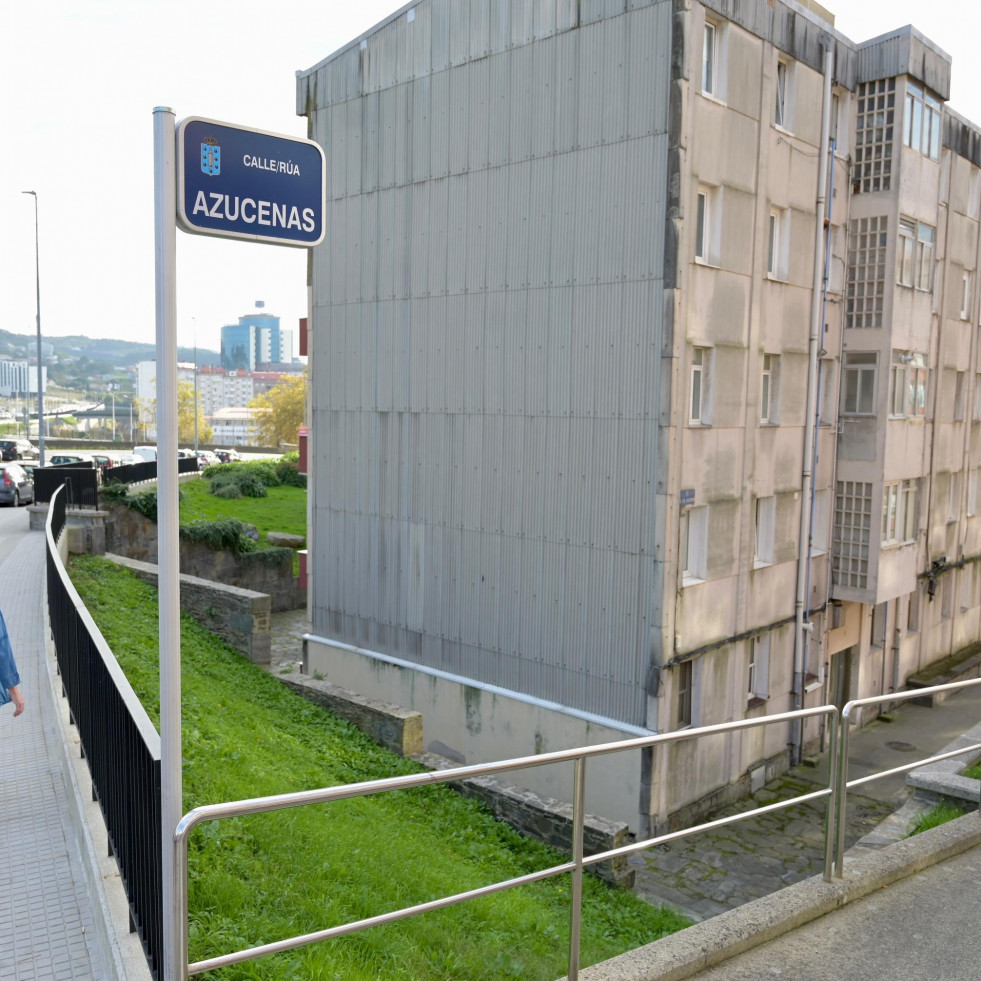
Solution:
(285, 410)
(185, 416)
(146, 413)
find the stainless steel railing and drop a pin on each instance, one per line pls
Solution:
(844, 784)
(575, 865)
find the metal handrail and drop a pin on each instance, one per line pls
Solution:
(844, 784)
(578, 756)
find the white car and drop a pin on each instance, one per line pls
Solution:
(206, 459)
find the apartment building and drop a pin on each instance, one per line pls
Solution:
(644, 379)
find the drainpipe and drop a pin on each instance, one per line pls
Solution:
(814, 344)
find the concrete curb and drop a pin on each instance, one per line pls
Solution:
(706, 944)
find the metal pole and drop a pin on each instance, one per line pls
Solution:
(578, 827)
(168, 557)
(194, 321)
(37, 278)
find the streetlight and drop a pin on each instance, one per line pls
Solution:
(194, 323)
(40, 395)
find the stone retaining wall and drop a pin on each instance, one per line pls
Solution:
(239, 616)
(133, 535)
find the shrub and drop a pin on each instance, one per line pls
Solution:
(245, 479)
(288, 471)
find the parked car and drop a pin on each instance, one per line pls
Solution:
(18, 449)
(16, 487)
(145, 453)
(206, 458)
(59, 459)
(227, 456)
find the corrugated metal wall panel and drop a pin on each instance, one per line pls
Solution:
(439, 124)
(483, 350)
(522, 98)
(440, 34)
(648, 70)
(459, 119)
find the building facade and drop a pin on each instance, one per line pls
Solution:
(256, 339)
(632, 322)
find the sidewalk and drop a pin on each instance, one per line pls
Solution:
(47, 926)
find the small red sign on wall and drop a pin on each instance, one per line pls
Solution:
(303, 449)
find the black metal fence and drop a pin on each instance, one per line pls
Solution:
(80, 479)
(132, 473)
(118, 740)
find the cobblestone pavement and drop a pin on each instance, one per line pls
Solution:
(714, 871)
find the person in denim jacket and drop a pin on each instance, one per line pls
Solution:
(9, 678)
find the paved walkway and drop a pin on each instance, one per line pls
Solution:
(46, 929)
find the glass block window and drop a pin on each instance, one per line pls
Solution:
(874, 119)
(866, 272)
(853, 523)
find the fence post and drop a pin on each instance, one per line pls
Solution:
(578, 826)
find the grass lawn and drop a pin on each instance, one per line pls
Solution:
(285, 509)
(255, 880)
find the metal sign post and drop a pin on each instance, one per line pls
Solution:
(168, 556)
(232, 182)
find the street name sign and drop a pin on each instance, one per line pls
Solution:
(236, 182)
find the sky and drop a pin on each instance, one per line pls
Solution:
(79, 82)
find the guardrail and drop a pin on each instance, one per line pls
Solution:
(132, 473)
(844, 784)
(118, 741)
(575, 866)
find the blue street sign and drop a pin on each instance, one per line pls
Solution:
(235, 182)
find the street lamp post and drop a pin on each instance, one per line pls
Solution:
(40, 393)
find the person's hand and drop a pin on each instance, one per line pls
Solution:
(19, 703)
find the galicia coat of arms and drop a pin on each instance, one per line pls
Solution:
(211, 157)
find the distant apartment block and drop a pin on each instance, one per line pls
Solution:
(19, 378)
(645, 379)
(256, 339)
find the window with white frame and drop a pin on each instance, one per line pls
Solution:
(899, 519)
(858, 391)
(921, 125)
(758, 669)
(694, 544)
(708, 224)
(766, 513)
(966, 295)
(778, 243)
(783, 111)
(813, 657)
(770, 389)
(714, 47)
(683, 695)
(915, 247)
(698, 386)
(971, 507)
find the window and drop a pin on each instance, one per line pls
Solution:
(899, 512)
(977, 397)
(858, 393)
(852, 530)
(769, 389)
(820, 521)
(828, 399)
(758, 669)
(866, 284)
(813, 658)
(877, 637)
(708, 214)
(698, 382)
(683, 695)
(908, 376)
(954, 499)
(766, 511)
(710, 58)
(778, 244)
(965, 295)
(874, 119)
(913, 612)
(914, 254)
(921, 125)
(972, 492)
(783, 108)
(959, 395)
(694, 544)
